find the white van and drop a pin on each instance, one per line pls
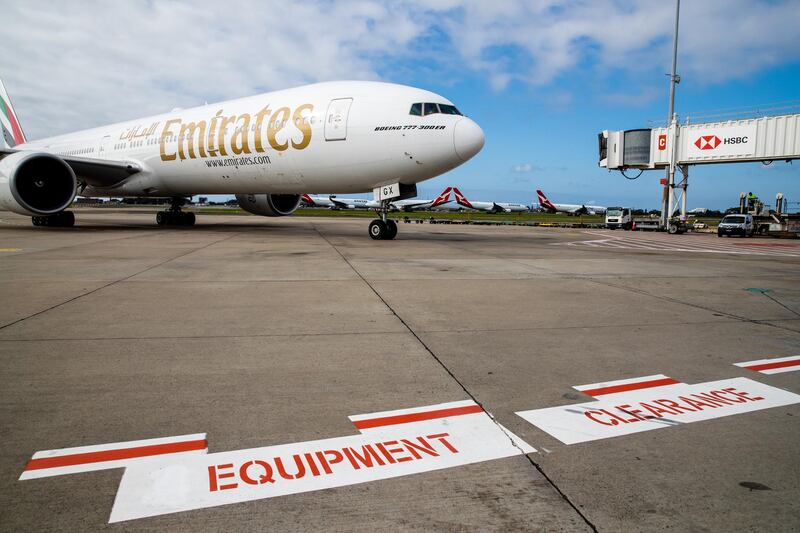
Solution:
(736, 225)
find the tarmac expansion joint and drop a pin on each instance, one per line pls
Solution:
(463, 387)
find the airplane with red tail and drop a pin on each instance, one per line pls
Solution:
(570, 209)
(490, 207)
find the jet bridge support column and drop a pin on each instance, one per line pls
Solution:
(685, 182)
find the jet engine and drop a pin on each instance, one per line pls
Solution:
(269, 205)
(36, 183)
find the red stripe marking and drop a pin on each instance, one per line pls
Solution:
(630, 386)
(416, 417)
(115, 455)
(771, 244)
(768, 366)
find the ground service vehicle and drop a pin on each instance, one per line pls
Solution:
(619, 217)
(736, 225)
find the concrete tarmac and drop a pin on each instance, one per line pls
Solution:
(263, 331)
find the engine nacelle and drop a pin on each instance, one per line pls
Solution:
(36, 183)
(269, 205)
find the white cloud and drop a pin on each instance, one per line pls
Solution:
(719, 39)
(70, 65)
(522, 168)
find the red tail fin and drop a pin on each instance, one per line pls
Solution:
(307, 199)
(442, 198)
(461, 199)
(543, 201)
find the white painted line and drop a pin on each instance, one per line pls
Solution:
(113, 455)
(393, 443)
(640, 410)
(776, 365)
(623, 385)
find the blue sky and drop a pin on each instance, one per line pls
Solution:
(532, 142)
(542, 77)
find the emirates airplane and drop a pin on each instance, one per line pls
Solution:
(267, 150)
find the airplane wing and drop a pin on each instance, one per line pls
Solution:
(338, 204)
(411, 206)
(96, 172)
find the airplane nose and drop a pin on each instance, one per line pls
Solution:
(467, 138)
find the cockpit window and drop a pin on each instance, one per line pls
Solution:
(448, 109)
(430, 109)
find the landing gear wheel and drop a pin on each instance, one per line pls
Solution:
(673, 229)
(174, 216)
(377, 229)
(391, 229)
(64, 219)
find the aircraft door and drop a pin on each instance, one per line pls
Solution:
(336, 119)
(103, 147)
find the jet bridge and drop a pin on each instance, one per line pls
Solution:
(765, 139)
(734, 141)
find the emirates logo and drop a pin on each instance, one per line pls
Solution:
(707, 142)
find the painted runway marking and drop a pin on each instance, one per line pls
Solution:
(773, 366)
(115, 455)
(173, 474)
(622, 385)
(659, 242)
(10, 249)
(652, 402)
(390, 444)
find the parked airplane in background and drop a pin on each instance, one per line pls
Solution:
(491, 207)
(334, 202)
(268, 150)
(413, 205)
(572, 209)
(316, 200)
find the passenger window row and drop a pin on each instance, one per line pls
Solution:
(79, 151)
(423, 109)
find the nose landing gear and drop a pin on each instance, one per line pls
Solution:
(174, 216)
(383, 228)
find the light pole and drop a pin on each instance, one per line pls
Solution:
(669, 188)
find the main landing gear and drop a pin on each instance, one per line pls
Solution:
(64, 219)
(383, 228)
(174, 216)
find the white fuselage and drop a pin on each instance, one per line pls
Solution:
(410, 205)
(334, 137)
(578, 208)
(335, 202)
(499, 207)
